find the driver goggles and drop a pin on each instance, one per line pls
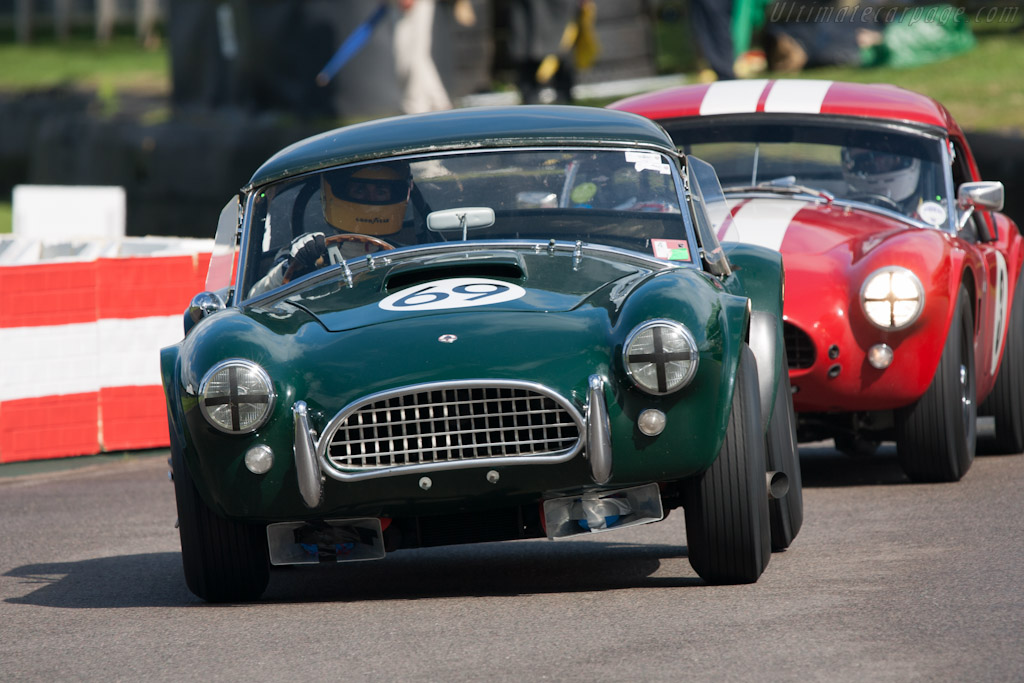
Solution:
(866, 162)
(369, 190)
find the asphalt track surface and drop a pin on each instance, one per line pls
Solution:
(888, 581)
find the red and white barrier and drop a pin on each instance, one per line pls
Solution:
(80, 341)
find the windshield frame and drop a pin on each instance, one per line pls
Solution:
(683, 198)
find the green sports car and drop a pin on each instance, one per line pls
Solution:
(479, 325)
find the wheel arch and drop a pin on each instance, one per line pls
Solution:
(760, 275)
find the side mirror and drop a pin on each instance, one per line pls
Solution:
(986, 194)
(202, 305)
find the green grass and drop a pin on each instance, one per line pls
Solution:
(5, 217)
(82, 62)
(983, 88)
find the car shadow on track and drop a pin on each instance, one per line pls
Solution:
(489, 569)
(822, 466)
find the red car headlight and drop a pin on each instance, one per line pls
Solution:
(892, 298)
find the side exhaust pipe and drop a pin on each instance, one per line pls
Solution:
(778, 485)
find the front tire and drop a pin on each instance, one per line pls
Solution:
(1006, 402)
(936, 437)
(727, 527)
(786, 513)
(223, 560)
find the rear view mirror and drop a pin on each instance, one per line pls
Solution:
(464, 219)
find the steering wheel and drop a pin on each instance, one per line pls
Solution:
(877, 200)
(338, 239)
(355, 237)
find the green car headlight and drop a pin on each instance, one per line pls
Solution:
(236, 396)
(660, 356)
(892, 298)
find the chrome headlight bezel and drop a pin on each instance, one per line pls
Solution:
(892, 298)
(635, 373)
(211, 408)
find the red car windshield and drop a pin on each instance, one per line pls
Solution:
(885, 168)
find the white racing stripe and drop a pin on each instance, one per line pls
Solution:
(764, 222)
(785, 96)
(797, 96)
(732, 97)
(79, 358)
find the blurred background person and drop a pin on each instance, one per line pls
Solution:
(535, 46)
(418, 79)
(711, 27)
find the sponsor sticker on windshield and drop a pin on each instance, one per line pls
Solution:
(671, 250)
(647, 161)
(932, 213)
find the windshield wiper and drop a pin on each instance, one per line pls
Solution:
(785, 186)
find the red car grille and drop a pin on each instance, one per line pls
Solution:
(452, 424)
(799, 347)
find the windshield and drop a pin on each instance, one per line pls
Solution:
(622, 198)
(892, 170)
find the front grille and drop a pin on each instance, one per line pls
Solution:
(799, 347)
(452, 425)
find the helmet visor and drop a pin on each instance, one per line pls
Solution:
(864, 162)
(368, 190)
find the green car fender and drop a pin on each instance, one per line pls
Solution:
(718, 319)
(168, 372)
(759, 275)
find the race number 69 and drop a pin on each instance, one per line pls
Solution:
(462, 292)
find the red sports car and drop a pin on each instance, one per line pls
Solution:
(901, 315)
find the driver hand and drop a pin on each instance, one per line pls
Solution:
(308, 253)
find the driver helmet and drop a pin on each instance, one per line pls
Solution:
(370, 200)
(883, 173)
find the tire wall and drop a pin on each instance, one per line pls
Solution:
(227, 117)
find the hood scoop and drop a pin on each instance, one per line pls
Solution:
(495, 264)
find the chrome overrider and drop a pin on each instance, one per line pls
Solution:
(310, 448)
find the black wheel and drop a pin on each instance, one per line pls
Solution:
(224, 561)
(786, 513)
(728, 533)
(1006, 402)
(936, 437)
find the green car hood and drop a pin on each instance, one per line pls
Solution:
(521, 281)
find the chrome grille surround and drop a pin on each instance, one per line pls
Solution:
(450, 425)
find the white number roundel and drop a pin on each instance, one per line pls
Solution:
(459, 292)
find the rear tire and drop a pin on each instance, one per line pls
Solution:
(728, 532)
(936, 437)
(1006, 402)
(223, 560)
(786, 513)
